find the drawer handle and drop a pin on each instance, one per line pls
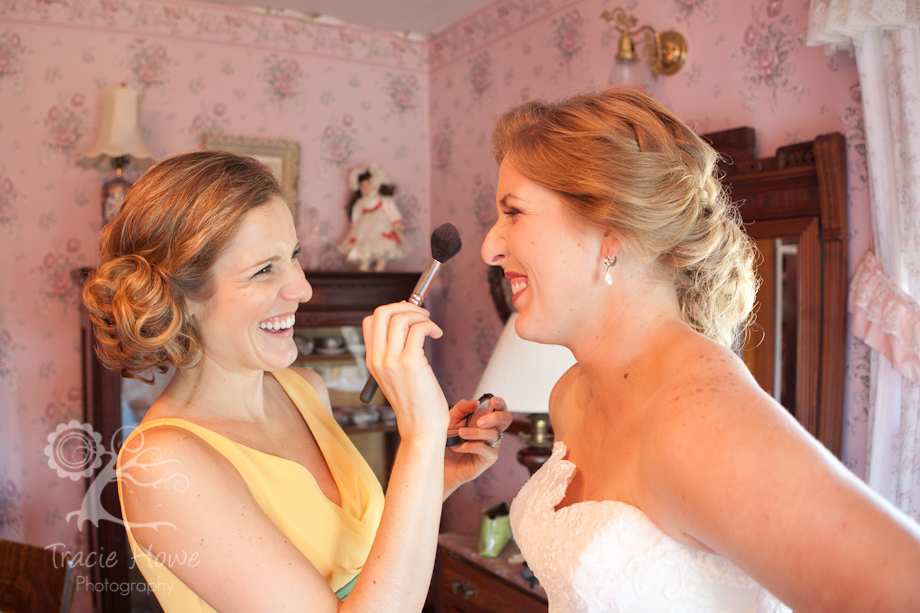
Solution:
(462, 588)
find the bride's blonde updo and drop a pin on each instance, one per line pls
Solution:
(158, 252)
(622, 162)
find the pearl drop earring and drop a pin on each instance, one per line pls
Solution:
(608, 276)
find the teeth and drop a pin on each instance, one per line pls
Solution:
(279, 323)
(518, 283)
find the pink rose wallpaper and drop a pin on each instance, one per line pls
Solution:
(348, 95)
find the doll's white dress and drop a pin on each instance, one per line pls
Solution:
(594, 557)
(376, 231)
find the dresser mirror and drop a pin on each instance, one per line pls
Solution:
(794, 205)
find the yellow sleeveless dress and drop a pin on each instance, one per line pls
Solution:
(336, 539)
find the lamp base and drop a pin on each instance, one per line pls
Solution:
(541, 443)
(534, 457)
(113, 194)
(114, 191)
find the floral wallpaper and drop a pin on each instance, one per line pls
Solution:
(349, 95)
(747, 66)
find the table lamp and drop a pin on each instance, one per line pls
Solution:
(523, 374)
(120, 145)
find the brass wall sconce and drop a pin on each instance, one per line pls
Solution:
(666, 52)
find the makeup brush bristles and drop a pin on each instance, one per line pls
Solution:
(445, 242)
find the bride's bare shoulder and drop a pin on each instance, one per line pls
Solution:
(689, 359)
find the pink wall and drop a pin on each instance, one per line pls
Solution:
(348, 95)
(747, 66)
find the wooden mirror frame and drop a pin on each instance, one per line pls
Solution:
(800, 193)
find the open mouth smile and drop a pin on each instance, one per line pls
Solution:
(518, 284)
(278, 325)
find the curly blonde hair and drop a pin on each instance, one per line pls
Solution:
(157, 254)
(624, 163)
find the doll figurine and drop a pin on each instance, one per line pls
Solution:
(376, 234)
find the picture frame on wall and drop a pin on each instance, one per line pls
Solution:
(281, 156)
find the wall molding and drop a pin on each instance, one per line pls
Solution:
(239, 27)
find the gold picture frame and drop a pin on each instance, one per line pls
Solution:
(281, 156)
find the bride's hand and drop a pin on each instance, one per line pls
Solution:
(468, 460)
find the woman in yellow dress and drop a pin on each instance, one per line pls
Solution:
(238, 490)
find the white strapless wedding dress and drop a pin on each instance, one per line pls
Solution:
(594, 557)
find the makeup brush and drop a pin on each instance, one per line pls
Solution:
(445, 244)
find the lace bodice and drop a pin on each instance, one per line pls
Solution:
(594, 557)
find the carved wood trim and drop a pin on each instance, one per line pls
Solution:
(803, 183)
(831, 167)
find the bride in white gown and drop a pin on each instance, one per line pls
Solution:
(676, 483)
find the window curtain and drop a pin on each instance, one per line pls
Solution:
(885, 289)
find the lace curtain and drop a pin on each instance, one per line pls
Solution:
(884, 292)
(841, 24)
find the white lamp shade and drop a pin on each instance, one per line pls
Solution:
(523, 373)
(120, 132)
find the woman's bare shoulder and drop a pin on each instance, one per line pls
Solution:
(707, 388)
(695, 369)
(164, 471)
(182, 497)
(727, 469)
(163, 439)
(711, 429)
(309, 376)
(316, 382)
(170, 451)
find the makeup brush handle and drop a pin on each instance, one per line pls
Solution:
(370, 388)
(424, 283)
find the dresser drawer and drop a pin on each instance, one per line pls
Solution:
(466, 588)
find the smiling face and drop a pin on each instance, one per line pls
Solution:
(247, 323)
(552, 262)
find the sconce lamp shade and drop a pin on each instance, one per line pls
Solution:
(523, 373)
(632, 72)
(120, 133)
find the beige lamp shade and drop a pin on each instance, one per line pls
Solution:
(523, 373)
(120, 133)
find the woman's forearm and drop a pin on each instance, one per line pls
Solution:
(399, 567)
